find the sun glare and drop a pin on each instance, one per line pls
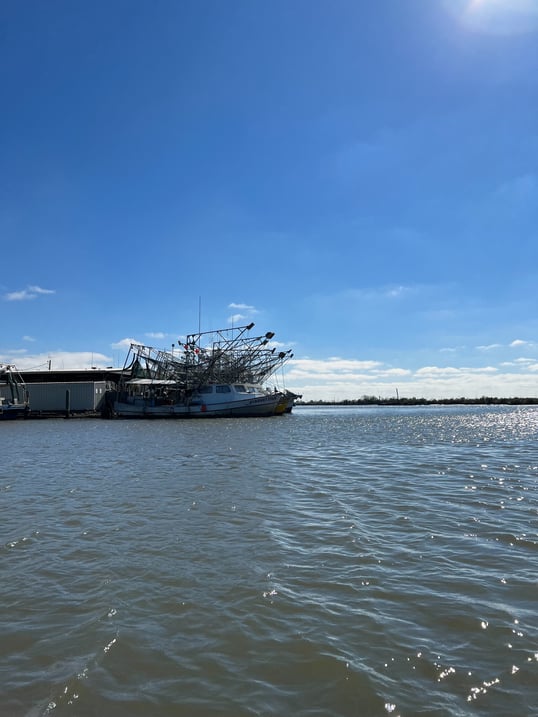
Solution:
(497, 17)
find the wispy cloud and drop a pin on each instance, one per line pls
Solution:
(31, 292)
(243, 307)
(397, 292)
(245, 312)
(12, 355)
(489, 347)
(516, 344)
(333, 365)
(381, 292)
(124, 343)
(451, 349)
(432, 371)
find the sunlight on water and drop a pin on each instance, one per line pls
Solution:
(331, 562)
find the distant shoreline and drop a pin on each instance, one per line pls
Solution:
(371, 401)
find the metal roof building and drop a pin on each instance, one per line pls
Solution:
(69, 392)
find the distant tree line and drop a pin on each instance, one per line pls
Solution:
(378, 401)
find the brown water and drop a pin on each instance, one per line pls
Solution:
(331, 562)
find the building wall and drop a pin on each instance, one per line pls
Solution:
(83, 396)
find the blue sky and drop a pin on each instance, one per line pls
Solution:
(359, 177)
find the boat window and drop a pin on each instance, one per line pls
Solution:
(240, 388)
(223, 389)
(205, 389)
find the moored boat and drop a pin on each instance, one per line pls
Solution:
(217, 373)
(145, 398)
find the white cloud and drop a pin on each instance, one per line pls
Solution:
(28, 338)
(335, 379)
(438, 371)
(394, 372)
(397, 291)
(517, 343)
(59, 360)
(244, 313)
(279, 345)
(124, 343)
(518, 361)
(489, 347)
(19, 295)
(8, 356)
(39, 290)
(31, 292)
(243, 307)
(332, 365)
(380, 293)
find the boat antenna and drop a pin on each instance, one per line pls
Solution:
(199, 314)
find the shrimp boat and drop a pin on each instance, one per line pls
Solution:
(148, 398)
(215, 373)
(14, 401)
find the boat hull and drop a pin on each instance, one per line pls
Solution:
(255, 407)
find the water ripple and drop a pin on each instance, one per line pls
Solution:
(333, 562)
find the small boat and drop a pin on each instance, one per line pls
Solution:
(148, 398)
(14, 402)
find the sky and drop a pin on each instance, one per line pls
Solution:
(359, 177)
